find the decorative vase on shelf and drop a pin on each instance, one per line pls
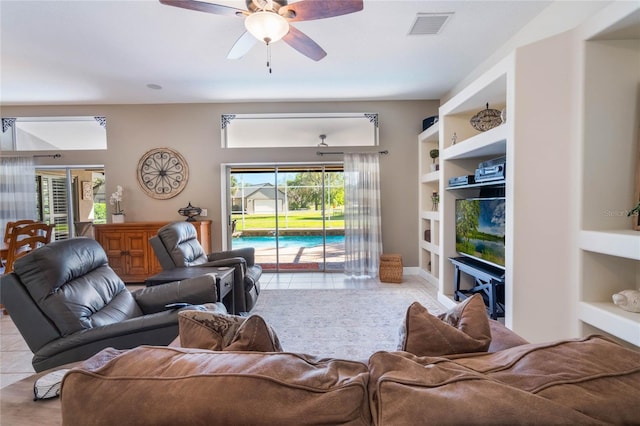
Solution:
(190, 212)
(117, 218)
(486, 119)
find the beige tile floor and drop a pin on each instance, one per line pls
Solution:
(15, 356)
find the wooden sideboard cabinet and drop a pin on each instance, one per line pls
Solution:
(129, 251)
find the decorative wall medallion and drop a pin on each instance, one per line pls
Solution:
(162, 173)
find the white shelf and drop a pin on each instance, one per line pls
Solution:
(497, 183)
(431, 134)
(426, 245)
(490, 143)
(430, 177)
(620, 243)
(610, 318)
(430, 215)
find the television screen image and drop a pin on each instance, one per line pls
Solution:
(480, 229)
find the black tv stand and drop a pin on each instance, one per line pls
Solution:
(489, 282)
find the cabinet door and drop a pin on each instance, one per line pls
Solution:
(203, 230)
(154, 263)
(136, 253)
(115, 247)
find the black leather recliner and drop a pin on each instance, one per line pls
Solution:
(176, 245)
(68, 304)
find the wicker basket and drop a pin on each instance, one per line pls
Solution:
(390, 270)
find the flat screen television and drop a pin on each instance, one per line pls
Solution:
(480, 229)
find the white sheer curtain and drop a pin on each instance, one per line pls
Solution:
(17, 190)
(362, 221)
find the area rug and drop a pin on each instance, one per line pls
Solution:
(347, 323)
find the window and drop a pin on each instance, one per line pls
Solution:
(299, 130)
(53, 133)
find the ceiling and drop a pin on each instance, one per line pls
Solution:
(108, 52)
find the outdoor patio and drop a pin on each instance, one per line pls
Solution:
(302, 258)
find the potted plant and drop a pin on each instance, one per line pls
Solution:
(115, 200)
(435, 199)
(434, 154)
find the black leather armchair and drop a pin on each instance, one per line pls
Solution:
(177, 246)
(68, 304)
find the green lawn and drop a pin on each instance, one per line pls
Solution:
(293, 220)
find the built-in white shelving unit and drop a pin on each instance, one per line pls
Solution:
(531, 86)
(571, 145)
(462, 149)
(429, 215)
(608, 247)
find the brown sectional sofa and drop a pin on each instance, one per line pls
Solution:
(584, 381)
(581, 381)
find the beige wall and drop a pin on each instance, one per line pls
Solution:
(194, 131)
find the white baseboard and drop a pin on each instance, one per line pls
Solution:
(411, 270)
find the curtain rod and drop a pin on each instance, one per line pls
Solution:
(320, 153)
(34, 156)
(47, 155)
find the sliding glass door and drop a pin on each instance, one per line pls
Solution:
(291, 215)
(72, 199)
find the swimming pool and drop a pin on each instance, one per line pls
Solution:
(285, 241)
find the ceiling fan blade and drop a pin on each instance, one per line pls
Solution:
(307, 10)
(242, 46)
(303, 44)
(200, 6)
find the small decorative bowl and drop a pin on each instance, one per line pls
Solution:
(486, 119)
(190, 212)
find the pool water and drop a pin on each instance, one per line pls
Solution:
(285, 241)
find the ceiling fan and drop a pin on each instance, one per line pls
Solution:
(268, 21)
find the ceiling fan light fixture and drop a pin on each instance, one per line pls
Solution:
(266, 26)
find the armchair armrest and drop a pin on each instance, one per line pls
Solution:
(110, 332)
(196, 291)
(247, 253)
(228, 261)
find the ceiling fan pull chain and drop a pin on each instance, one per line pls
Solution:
(269, 57)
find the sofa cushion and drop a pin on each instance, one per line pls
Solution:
(179, 386)
(503, 338)
(255, 335)
(581, 381)
(216, 331)
(464, 328)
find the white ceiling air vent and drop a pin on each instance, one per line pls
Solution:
(429, 23)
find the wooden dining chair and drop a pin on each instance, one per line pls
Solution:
(26, 238)
(10, 225)
(7, 236)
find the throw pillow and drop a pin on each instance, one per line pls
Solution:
(463, 329)
(219, 332)
(255, 335)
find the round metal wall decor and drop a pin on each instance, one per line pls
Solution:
(162, 173)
